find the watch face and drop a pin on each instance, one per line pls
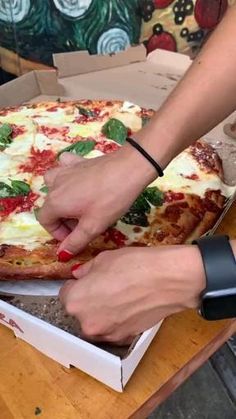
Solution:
(221, 306)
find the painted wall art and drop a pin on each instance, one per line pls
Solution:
(32, 30)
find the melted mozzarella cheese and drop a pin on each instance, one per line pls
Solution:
(93, 154)
(24, 177)
(42, 142)
(130, 107)
(41, 114)
(37, 183)
(49, 119)
(21, 145)
(86, 130)
(128, 230)
(184, 165)
(130, 120)
(8, 165)
(15, 118)
(23, 230)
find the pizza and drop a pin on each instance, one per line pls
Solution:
(175, 209)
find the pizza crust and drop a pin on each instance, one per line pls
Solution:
(42, 263)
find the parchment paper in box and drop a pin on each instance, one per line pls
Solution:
(126, 76)
(50, 310)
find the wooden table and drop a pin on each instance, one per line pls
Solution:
(29, 380)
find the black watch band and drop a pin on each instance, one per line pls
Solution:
(218, 300)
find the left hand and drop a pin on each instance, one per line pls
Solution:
(123, 292)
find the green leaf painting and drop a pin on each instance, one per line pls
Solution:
(51, 26)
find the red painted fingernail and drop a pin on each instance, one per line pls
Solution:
(75, 267)
(65, 256)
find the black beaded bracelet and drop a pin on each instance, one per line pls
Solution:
(138, 147)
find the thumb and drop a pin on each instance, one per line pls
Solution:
(69, 159)
(80, 237)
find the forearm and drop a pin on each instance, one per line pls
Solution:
(204, 97)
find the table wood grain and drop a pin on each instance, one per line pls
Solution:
(30, 380)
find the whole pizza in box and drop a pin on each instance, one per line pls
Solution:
(175, 209)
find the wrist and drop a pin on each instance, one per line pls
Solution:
(198, 278)
(180, 276)
(137, 165)
(160, 142)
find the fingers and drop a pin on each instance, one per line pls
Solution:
(65, 160)
(107, 339)
(51, 175)
(69, 159)
(114, 339)
(65, 289)
(80, 237)
(79, 271)
(57, 228)
(52, 223)
(90, 327)
(70, 223)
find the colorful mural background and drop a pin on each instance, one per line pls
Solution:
(179, 25)
(35, 29)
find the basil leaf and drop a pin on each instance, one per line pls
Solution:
(19, 187)
(44, 189)
(141, 204)
(86, 112)
(115, 130)
(154, 196)
(145, 120)
(81, 148)
(5, 190)
(137, 214)
(5, 136)
(137, 218)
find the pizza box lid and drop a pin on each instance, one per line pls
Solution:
(79, 75)
(128, 75)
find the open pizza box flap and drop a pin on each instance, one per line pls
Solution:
(131, 76)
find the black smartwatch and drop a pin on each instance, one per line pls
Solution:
(218, 300)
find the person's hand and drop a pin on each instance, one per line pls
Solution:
(123, 292)
(92, 195)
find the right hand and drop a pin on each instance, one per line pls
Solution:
(93, 193)
(121, 293)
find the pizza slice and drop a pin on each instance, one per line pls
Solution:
(182, 205)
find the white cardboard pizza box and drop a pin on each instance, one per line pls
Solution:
(130, 76)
